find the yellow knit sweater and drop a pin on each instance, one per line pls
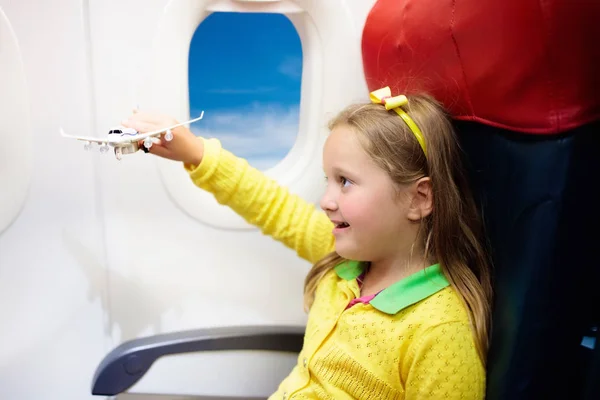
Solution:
(412, 341)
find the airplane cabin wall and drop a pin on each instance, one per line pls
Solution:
(101, 252)
(51, 309)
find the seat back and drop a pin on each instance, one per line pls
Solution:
(539, 198)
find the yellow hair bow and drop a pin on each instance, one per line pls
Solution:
(384, 96)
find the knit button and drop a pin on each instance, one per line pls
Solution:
(284, 395)
(305, 362)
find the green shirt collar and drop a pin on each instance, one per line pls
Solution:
(403, 293)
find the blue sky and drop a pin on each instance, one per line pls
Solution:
(245, 72)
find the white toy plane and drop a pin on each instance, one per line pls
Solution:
(125, 140)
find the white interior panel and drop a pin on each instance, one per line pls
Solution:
(52, 268)
(15, 127)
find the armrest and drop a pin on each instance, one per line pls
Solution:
(128, 363)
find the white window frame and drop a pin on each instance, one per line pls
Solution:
(332, 77)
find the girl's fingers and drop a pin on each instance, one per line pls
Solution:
(158, 150)
(140, 126)
(164, 141)
(155, 119)
(143, 122)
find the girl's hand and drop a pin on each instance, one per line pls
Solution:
(184, 146)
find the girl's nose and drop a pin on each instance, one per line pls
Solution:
(328, 203)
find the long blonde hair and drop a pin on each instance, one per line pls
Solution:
(452, 233)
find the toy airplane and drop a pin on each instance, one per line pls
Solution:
(125, 140)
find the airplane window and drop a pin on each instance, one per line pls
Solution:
(245, 72)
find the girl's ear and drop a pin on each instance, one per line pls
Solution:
(422, 200)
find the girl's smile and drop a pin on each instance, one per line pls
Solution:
(340, 227)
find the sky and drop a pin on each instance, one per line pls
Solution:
(245, 71)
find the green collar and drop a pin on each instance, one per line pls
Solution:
(403, 293)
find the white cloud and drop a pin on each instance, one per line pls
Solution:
(263, 133)
(291, 67)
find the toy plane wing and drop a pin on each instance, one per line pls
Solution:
(89, 138)
(142, 136)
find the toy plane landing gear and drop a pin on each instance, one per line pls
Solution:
(125, 140)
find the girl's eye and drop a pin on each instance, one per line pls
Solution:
(344, 181)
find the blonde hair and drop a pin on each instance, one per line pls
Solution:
(452, 234)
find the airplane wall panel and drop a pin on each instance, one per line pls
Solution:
(50, 302)
(15, 127)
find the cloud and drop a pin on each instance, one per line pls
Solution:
(261, 133)
(291, 67)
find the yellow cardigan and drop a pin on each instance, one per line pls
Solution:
(412, 341)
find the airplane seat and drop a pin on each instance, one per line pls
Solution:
(540, 207)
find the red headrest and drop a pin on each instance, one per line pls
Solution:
(524, 65)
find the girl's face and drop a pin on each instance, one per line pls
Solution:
(372, 220)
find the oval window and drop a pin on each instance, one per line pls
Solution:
(245, 72)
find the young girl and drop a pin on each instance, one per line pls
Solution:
(399, 295)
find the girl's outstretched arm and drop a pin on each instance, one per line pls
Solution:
(262, 202)
(257, 198)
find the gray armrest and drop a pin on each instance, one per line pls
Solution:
(127, 363)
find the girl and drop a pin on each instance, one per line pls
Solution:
(399, 295)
